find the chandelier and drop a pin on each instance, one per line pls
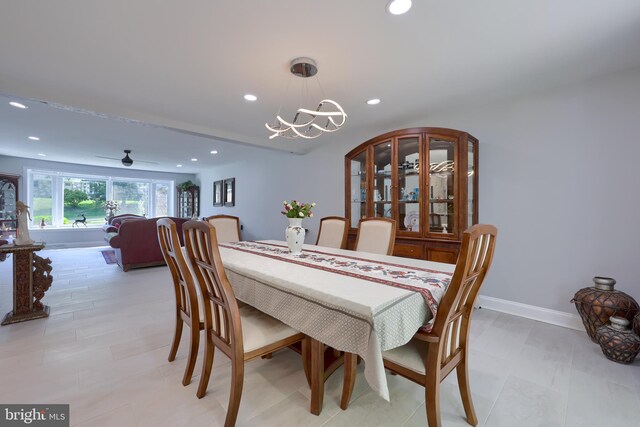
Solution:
(328, 116)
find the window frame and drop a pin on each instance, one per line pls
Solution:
(57, 194)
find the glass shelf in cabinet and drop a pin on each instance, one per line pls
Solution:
(408, 173)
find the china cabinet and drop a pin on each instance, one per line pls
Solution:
(188, 201)
(8, 199)
(424, 178)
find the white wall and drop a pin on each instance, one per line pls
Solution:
(558, 177)
(80, 236)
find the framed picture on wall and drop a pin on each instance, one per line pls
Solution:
(217, 193)
(230, 192)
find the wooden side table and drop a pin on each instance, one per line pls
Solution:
(31, 279)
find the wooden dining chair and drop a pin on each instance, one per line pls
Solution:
(376, 235)
(429, 357)
(227, 227)
(242, 333)
(333, 232)
(188, 310)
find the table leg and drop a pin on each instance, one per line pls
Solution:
(317, 375)
(350, 362)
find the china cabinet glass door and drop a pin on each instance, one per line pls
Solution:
(358, 179)
(8, 199)
(408, 195)
(382, 180)
(442, 197)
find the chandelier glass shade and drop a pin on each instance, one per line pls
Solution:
(307, 123)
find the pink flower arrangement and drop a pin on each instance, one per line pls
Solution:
(298, 210)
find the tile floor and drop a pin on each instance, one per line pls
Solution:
(104, 350)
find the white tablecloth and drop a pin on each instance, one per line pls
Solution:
(348, 313)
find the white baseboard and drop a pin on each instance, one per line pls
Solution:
(555, 317)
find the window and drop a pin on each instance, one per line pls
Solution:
(41, 201)
(84, 199)
(162, 200)
(132, 197)
(61, 198)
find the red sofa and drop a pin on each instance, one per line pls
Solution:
(111, 228)
(136, 243)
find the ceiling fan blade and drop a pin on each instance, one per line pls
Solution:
(135, 160)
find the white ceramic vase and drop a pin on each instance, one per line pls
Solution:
(294, 235)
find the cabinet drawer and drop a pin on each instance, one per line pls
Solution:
(448, 256)
(408, 250)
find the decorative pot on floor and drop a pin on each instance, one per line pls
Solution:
(597, 303)
(617, 341)
(295, 235)
(636, 324)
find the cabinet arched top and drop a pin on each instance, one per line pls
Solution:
(433, 131)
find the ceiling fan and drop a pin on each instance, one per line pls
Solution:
(126, 160)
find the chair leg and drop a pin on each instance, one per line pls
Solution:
(350, 363)
(177, 335)
(193, 354)
(237, 381)
(207, 363)
(432, 398)
(462, 371)
(306, 359)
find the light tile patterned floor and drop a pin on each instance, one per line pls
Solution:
(104, 350)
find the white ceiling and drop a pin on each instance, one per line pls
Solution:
(186, 66)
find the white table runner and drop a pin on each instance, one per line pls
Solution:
(349, 310)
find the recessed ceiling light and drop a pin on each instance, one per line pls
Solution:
(42, 155)
(398, 7)
(250, 97)
(374, 101)
(194, 160)
(214, 151)
(178, 166)
(17, 105)
(34, 138)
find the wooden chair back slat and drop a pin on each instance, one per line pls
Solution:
(184, 286)
(222, 315)
(454, 311)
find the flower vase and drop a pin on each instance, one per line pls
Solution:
(294, 235)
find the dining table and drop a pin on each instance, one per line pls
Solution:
(356, 302)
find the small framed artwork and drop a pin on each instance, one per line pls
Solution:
(217, 193)
(230, 192)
